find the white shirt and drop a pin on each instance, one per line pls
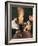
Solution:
(14, 25)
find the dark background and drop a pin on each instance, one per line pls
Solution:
(28, 11)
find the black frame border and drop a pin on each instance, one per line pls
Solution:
(6, 14)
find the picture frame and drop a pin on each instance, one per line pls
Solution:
(9, 16)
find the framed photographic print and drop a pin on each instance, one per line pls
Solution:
(20, 22)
